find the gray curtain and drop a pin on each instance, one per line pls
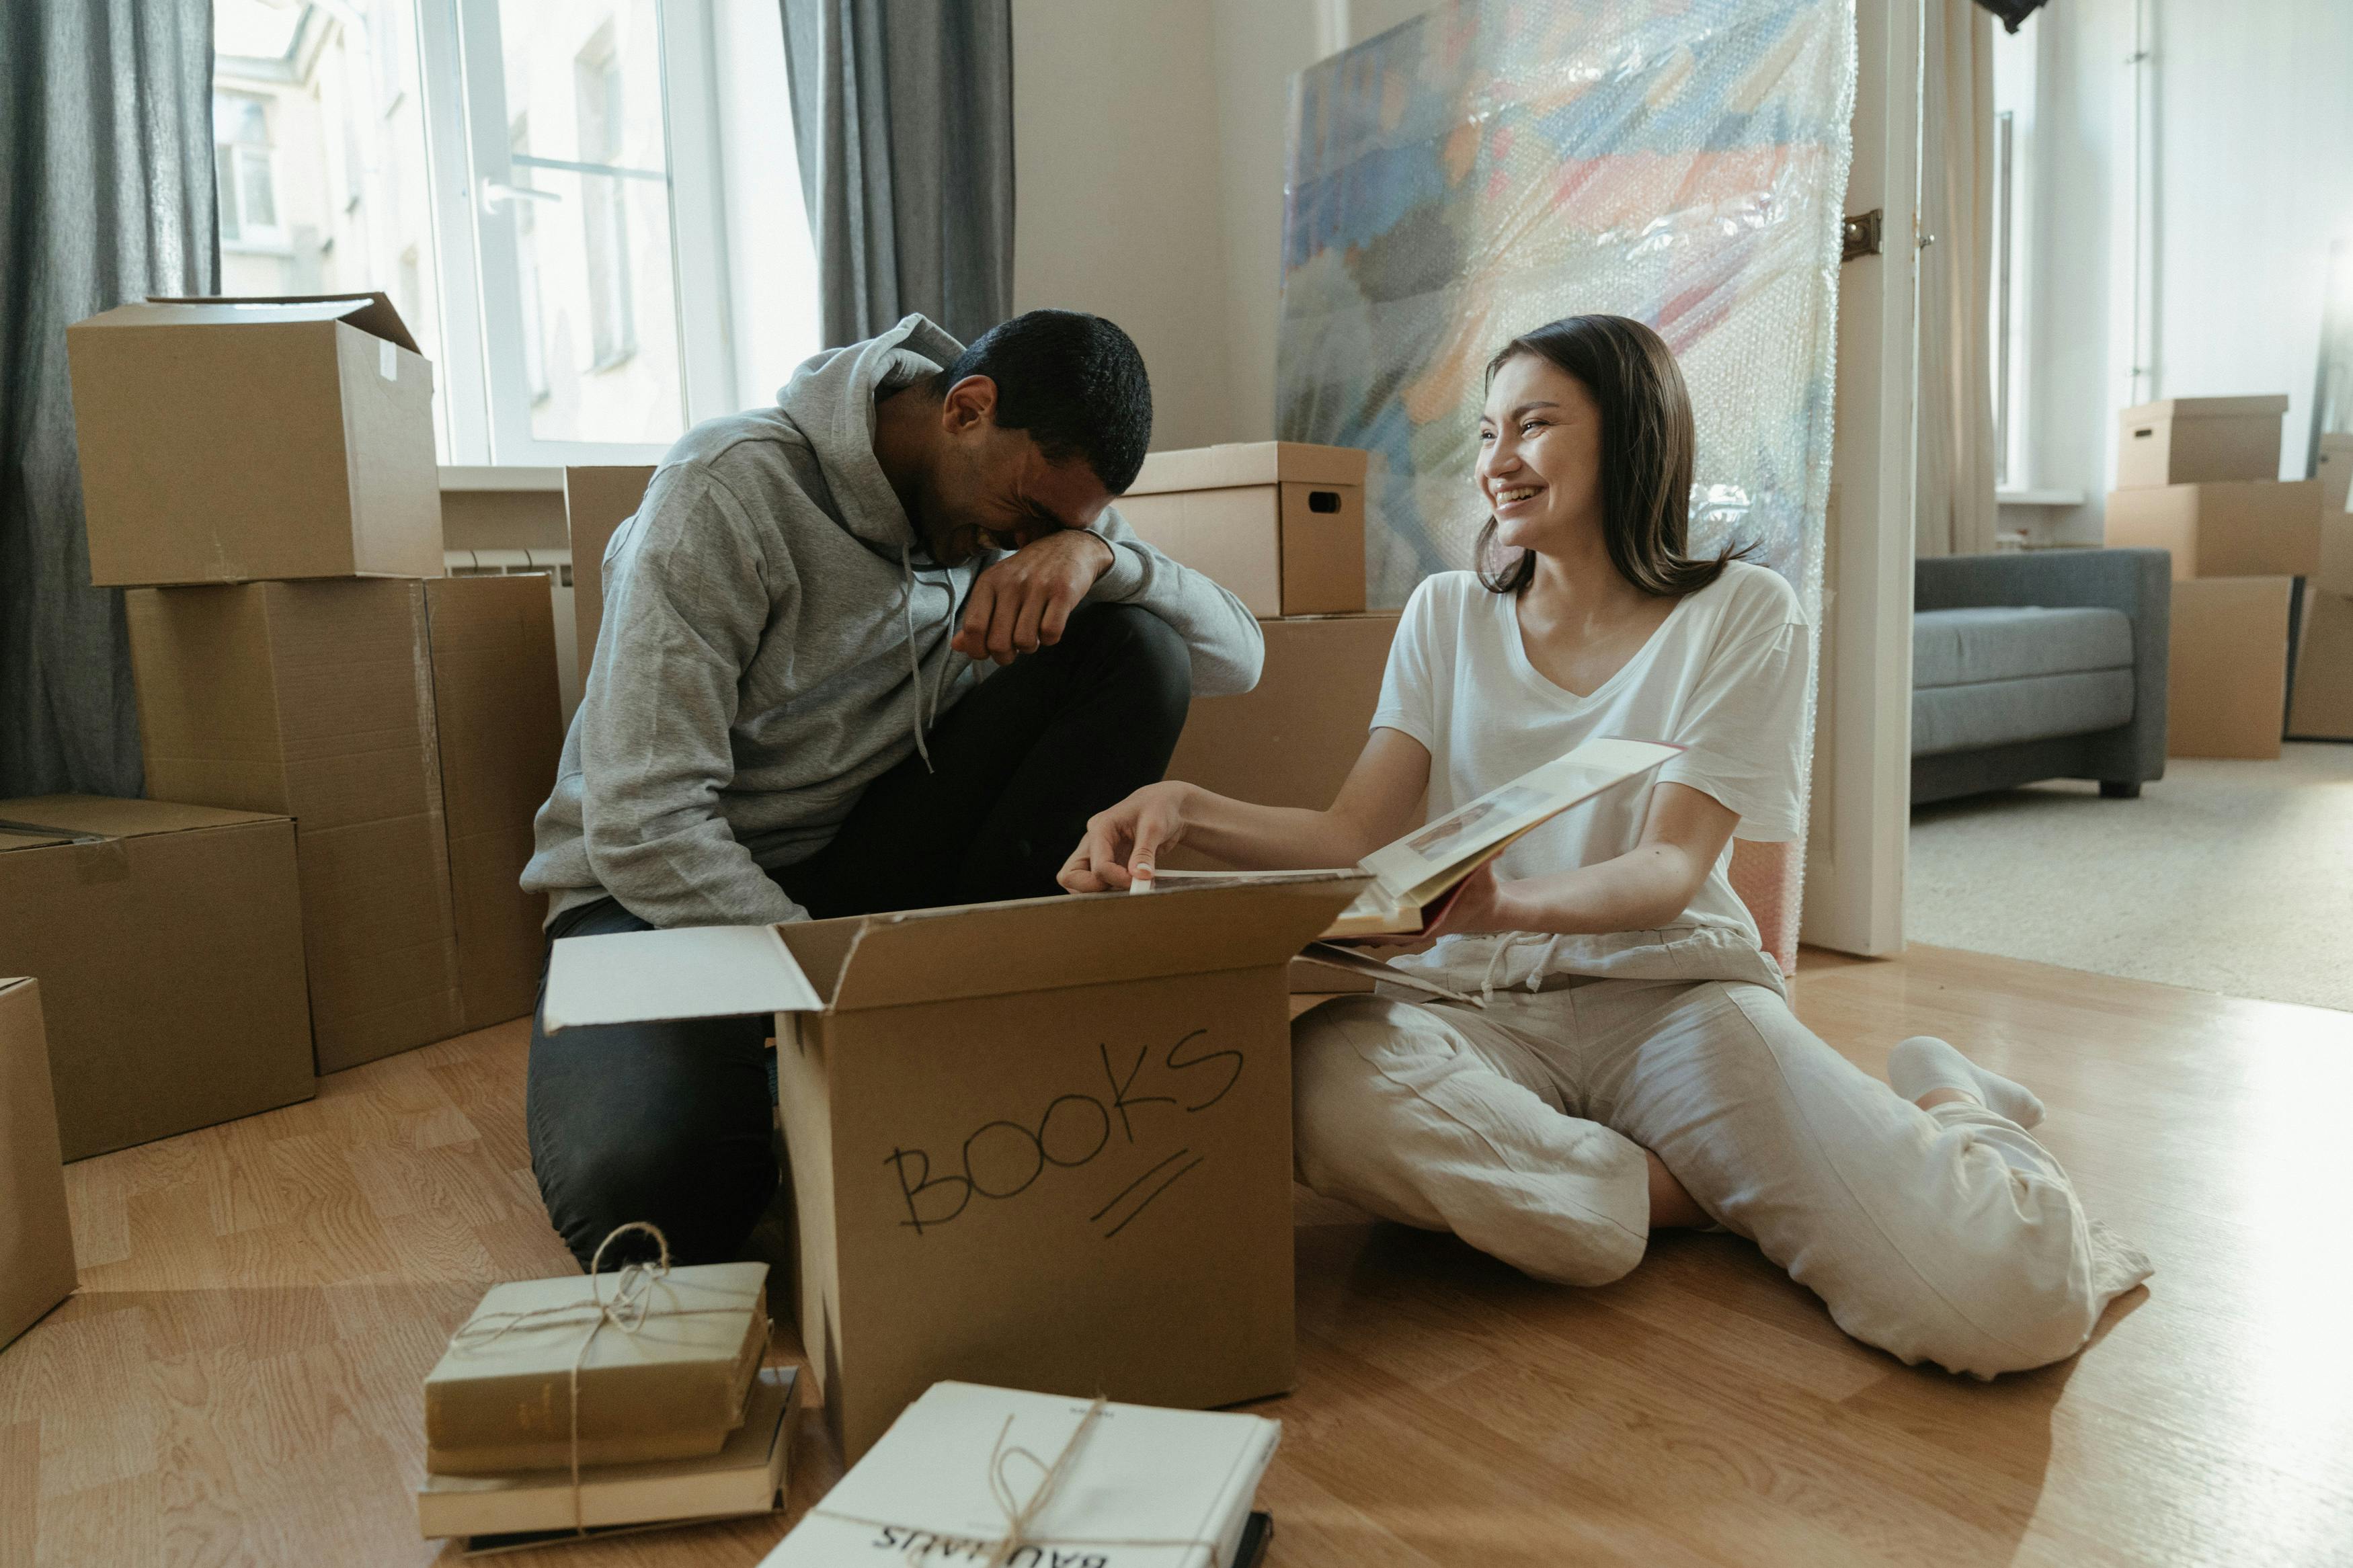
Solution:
(106, 195)
(902, 116)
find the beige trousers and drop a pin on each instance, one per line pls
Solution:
(1945, 1236)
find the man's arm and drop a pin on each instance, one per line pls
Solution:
(683, 616)
(1220, 632)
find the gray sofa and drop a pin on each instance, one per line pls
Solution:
(2039, 665)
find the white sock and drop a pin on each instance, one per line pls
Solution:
(1924, 1063)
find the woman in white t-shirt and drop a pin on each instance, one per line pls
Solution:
(1637, 1065)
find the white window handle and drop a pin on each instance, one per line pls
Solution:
(496, 193)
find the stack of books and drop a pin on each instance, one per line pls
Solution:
(969, 1473)
(651, 1393)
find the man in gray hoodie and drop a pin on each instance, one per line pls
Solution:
(883, 646)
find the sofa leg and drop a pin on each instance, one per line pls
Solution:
(2119, 789)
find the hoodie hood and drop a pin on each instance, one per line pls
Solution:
(830, 401)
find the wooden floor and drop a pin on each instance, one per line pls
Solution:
(237, 1380)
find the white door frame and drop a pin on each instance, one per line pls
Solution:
(1857, 840)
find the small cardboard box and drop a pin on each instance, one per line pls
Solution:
(2226, 676)
(2194, 440)
(168, 943)
(2334, 472)
(2335, 573)
(1279, 525)
(316, 699)
(597, 502)
(2247, 528)
(37, 1250)
(2320, 702)
(1045, 1143)
(499, 718)
(233, 440)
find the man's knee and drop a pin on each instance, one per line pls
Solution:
(1143, 654)
(704, 1195)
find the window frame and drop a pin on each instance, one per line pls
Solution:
(472, 171)
(229, 164)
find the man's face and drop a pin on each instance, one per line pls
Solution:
(992, 489)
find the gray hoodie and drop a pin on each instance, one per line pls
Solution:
(769, 647)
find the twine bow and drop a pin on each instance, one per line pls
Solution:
(629, 1310)
(1020, 1514)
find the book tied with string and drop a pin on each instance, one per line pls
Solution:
(673, 1386)
(974, 1474)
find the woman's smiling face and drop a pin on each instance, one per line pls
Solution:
(1539, 455)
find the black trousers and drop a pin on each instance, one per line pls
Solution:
(669, 1122)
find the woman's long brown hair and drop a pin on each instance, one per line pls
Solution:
(1646, 454)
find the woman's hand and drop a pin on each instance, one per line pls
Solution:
(1125, 842)
(1480, 903)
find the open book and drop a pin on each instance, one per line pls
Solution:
(1415, 878)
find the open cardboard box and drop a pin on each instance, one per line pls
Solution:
(1044, 1144)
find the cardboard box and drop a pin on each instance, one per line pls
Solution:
(498, 716)
(315, 700)
(233, 440)
(2334, 472)
(595, 502)
(168, 943)
(2335, 573)
(1291, 739)
(1045, 1143)
(37, 1250)
(2193, 440)
(2226, 677)
(2250, 528)
(2320, 702)
(412, 729)
(1279, 525)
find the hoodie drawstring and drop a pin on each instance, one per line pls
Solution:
(915, 664)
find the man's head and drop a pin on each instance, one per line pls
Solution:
(1040, 423)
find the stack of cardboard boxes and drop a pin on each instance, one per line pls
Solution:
(351, 745)
(2198, 477)
(2320, 691)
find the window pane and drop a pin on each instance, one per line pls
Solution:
(324, 135)
(596, 263)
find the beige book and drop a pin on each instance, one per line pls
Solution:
(1415, 877)
(501, 1397)
(744, 1477)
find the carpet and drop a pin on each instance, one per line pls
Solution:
(2232, 876)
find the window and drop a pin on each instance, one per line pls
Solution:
(241, 161)
(552, 191)
(597, 97)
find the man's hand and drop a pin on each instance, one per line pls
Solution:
(1478, 904)
(1020, 603)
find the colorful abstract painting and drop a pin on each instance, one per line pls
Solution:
(1496, 164)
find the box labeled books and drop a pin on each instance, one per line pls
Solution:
(981, 1475)
(665, 1363)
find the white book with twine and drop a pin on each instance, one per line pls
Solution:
(999, 1478)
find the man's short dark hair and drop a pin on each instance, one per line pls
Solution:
(1074, 381)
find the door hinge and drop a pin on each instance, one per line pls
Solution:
(1860, 234)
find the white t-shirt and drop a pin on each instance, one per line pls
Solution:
(1725, 677)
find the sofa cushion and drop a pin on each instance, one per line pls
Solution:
(2034, 708)
(2001, 642)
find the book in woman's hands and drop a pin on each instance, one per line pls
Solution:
(1416, 877)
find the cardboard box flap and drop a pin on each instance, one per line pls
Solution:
(699, 972)
(2206, 408)
(1249, 463)
(372, 313)
(1047, 944)
(72, 817)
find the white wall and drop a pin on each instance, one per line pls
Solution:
(1148, 144)
(2251, 148)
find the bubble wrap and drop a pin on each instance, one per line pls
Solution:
(1496, 164)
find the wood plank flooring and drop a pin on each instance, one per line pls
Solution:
(237, 1379)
